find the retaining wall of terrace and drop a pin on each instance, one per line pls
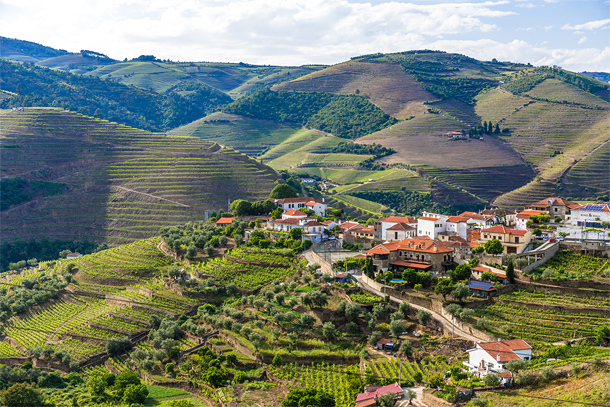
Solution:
(431, 400)
(324, 266)
(142, 290)
(558, 308)
(600, 289)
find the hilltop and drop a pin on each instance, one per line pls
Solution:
(545, 130)
(105, 182)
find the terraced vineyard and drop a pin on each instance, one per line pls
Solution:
(389, 368)
(511, 317)
(584, 179)
(123, 183)
(330, 377)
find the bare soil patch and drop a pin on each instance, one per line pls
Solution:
(441, 151)
(387, 86)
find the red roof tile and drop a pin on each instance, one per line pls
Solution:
(504, 230)
(526, 214)
(294, 212)
(455, 219)
(401, 226)
(505, 349)
(224, 221)
(401, 219)
(428, 218)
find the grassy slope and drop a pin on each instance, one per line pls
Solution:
(124, 183)
(241, 133)
(235, 79)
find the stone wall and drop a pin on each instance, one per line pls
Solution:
(325, 266)
(431, 400)
(548, 252)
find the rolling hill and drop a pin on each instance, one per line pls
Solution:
(548, 121)
(118, 183)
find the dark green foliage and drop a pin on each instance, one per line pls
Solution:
(11, 46)
(376, 150)
(17, 190)
(493, 246)
(116, 346)
(350, 117)
(308, 398)
(344, 116)
(34, 290)
(510, 272)
(282, 191)
(21, 395)
(412, 203)
(110, 100)
(42, 250)
(526, 83)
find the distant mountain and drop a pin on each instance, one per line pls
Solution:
(74, 177)
(600, 76)
(26, 51)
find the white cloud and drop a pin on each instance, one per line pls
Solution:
(582, 40)
(591, 25)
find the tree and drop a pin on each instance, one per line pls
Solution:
(307, 320)
(510, 272)
(517, 365)
(537, 232)
(215, 376)
(135, 393)
(374, 337)
(21, 394)
(462, 272)
(409, 276)
(406, 349)
(460, 291)
(480, 401)
(493, 246)
(601, 332)
(405, 309)
(282, 191)
(368, 268)
(296, 233)
(411, 395)
(191, 252)
(329, 330)
(241, 207)
(170, 369)
(124, 380)
(444, 286)
(418, 377)
(308, 398)
(453, 309)
(277, 360)
(116, 346)
(386, 400)
(397, 327)
(492, 380)
(478, 250)
(423, 317)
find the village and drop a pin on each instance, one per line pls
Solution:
(497, 247)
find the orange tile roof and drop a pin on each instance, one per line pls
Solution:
(554, 201)
(290, 221)
(505, 349)
(455, 219)
(401, 226)
(428, 218)
(504, 230)
(294, 212)
(527, 213)
(224, 221)
(481, 269)
(402, 219)
(384, 248)
(423, 246)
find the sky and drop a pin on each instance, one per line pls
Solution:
(574, 34)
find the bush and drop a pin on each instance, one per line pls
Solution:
(492, 380)
(116, 346)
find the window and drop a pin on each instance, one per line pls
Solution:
(395, 235)
(516, 239)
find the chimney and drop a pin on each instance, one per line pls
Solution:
(498, 358)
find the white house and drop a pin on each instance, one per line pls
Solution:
(431, 226)
(459, 225)
(301, 203)
(293, 214)
(400, 231)
(488, 357)
(381, 226)
(522, 217)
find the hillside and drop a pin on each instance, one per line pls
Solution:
(120, 183)
(546, 122)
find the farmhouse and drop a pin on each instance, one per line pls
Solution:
(293, 214)
(513, 240)
(369, 398)
(554, 207)
(420, 253)
(224, 221)
(481, 288)
(488, 357)
(299, 203)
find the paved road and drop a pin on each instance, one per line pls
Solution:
(447, 324)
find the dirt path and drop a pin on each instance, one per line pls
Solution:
(152, 196)
(447, 324)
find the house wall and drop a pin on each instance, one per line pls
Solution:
(591, 217)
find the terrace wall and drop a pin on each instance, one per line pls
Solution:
(558, 308)
(431, 400)
(325, 266)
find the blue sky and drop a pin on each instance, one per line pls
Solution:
(574, 34)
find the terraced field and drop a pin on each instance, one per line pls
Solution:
(249, 136)
(389, 368)
(518, 315)
(557, 91)
(123, 183)
(590, 176)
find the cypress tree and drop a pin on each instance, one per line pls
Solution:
(510, 272)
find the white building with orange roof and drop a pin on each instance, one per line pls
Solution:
(523, 216)
(555, 207)
(420, 253)
(513, 240)
(319, 207)
(294, 214)
(431, 224)
(381, 226)
(492, 357)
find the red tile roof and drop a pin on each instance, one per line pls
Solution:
(294, 212)
(481, 269)
(526, 214)
(401, 226)
(411, 265)
(504, 230)
(401, 219)
(505, 349)
(428, 218)
(290, 221)
(455, 219)
(384, 248)
(313, 223)
(224, 221)
(545, 203)
(417, 244)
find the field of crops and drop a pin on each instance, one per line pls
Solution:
(248, 277)
(558, 91)
(122, 183)
(583, 178)
(569, 265)
(384, 367)
(329, 377)
(515, 320)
